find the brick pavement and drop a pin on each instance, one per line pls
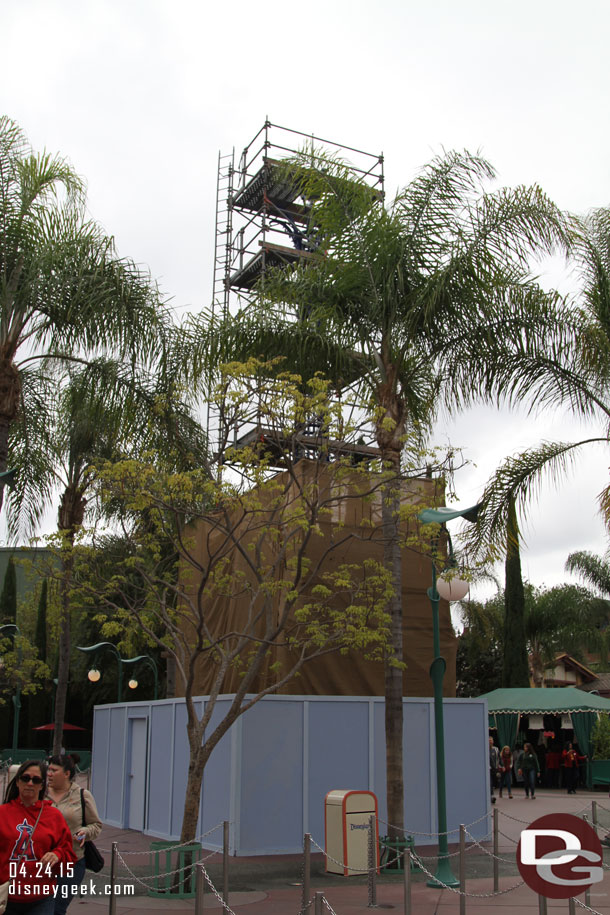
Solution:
(270, 885)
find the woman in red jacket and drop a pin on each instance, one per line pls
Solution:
(35, 843)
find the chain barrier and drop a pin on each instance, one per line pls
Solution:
(586, 907)
(108, 851)
(328, 905)
(216, 893)
(516, 819)
(432, 835)
(357, 870)
(490, 854)
(459, 892)
(452, 854)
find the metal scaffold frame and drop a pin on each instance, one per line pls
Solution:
(263, 221)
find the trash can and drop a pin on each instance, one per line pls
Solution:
(173, 869)
(347, 816)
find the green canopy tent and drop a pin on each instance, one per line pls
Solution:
(506, 705)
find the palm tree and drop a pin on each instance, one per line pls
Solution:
(585, 387)
(563, 618)
(594, 569)
(422, 304)
(64, 294)
(101, 413)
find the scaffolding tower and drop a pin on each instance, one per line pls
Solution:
(263, 221)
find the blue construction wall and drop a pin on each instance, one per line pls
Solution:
(269, 774)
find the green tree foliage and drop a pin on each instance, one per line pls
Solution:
(583, 386)
(8, 596)
(423, 303)
(600, 738)
(275, 540)
(41, 621)
(479, 649)
(515, 668)
(64, 293)
(565, 618)
(595, 570)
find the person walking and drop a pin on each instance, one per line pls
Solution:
(78, 807)
(570, 763)
(494, 766)
(35, 843)
(530, 768)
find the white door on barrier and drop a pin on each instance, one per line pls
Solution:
(138, 738)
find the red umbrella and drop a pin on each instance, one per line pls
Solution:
(51, 727)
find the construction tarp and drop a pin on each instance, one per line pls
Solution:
(333, 674)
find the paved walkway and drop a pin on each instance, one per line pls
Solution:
(272, 885)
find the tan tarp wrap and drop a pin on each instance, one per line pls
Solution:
(335, 674)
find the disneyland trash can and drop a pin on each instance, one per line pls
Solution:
(347, 816)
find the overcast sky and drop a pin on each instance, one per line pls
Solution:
(141, 95)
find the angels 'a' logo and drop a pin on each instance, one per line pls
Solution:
(23, 850)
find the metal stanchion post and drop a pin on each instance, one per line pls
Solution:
(407, 881)
(571, 906)
(372, 865)
(587, 891)
(225, 862)
(542, 905)
(462, 869)
(318, 900)
(306, 872)
(594, 814)
(496, 832)
(199, 889)
(112, 906)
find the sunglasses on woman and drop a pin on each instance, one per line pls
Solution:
(34, 779)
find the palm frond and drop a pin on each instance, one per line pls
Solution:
(595, 570)
(519, 478)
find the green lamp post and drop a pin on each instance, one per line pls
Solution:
(452, 588)
(14, 629)
(94, 674)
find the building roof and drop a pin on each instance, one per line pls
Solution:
(544, 701)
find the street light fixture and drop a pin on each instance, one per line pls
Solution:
(94, 674)
(450, 587)
(17, 697)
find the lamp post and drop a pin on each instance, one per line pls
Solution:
(451, 588)
(94, 675)
(17, 697)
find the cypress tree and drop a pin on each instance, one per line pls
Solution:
(8, 597)
(41, 623)
(515, 669)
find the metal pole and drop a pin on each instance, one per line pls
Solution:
(588, 890)
(542, 905)
(496, 844)
(594, 814)
(225, 862)
(306, 872)
(571, 906)
(462, 869)
(407, 881)
(372, 865)
(112, 907)
(444, 874)
(318, 902)
(199, 889)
